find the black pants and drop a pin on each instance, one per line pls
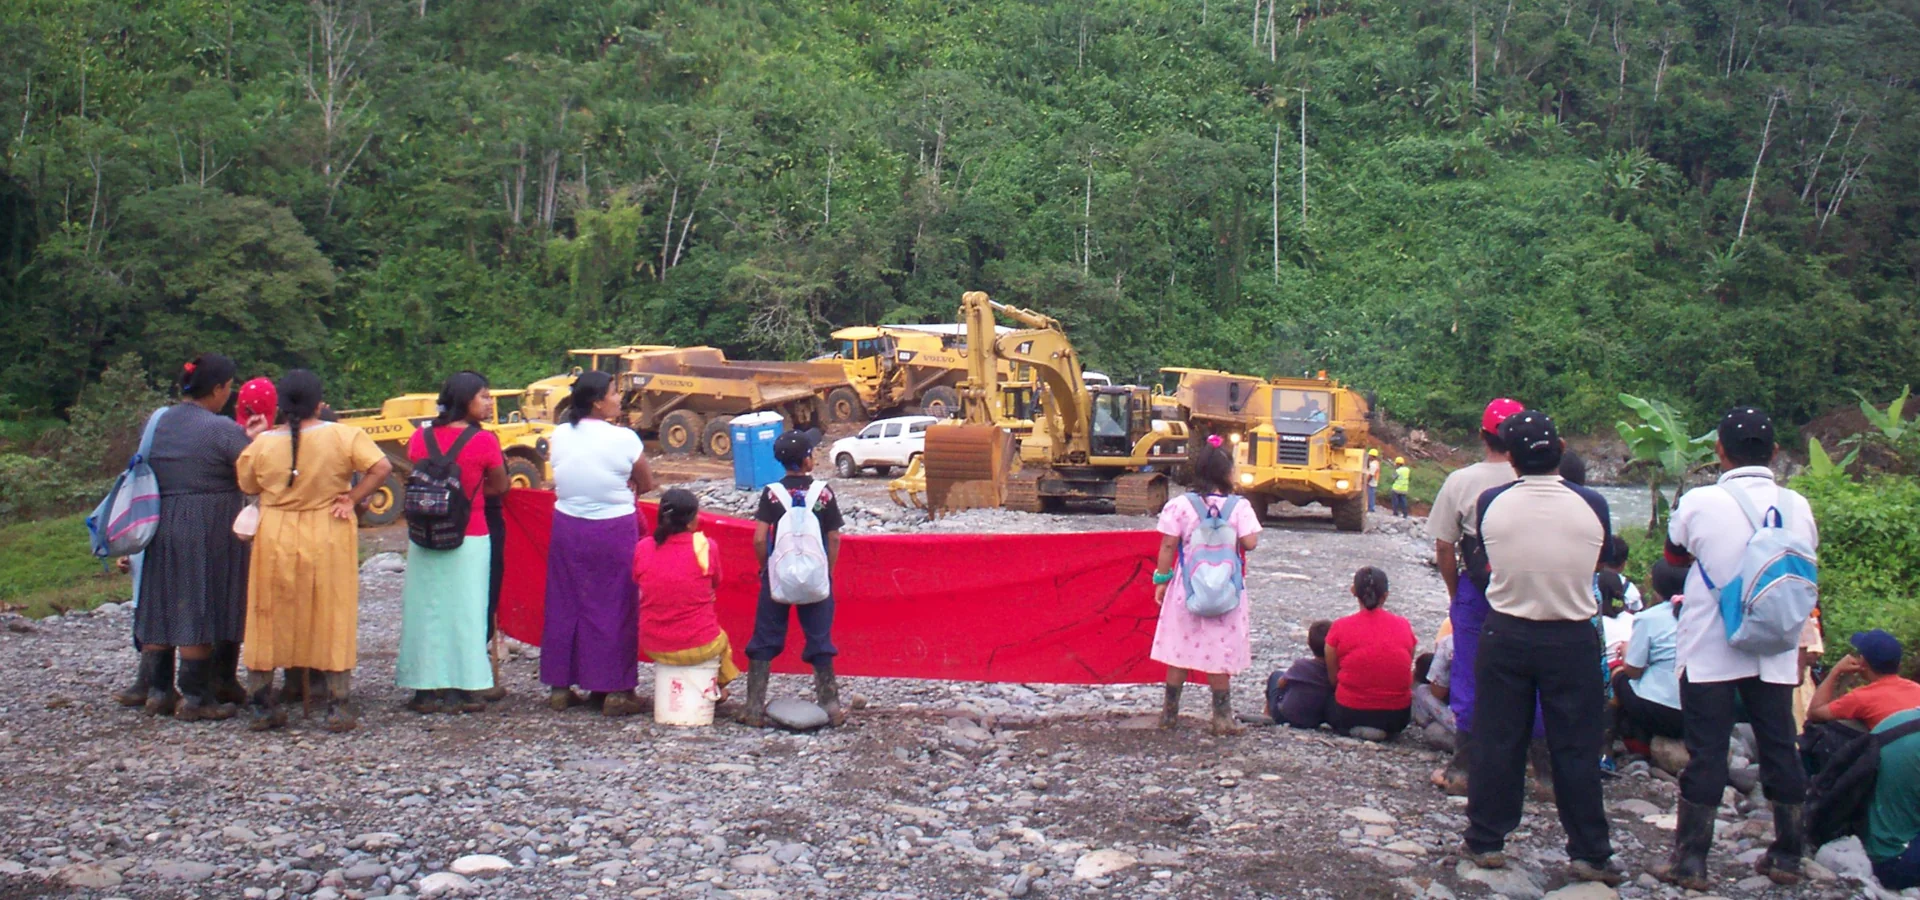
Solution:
(1557, 660)
(1642, 719)
(1392, 721)
(770, 628)
(1709, 713)
(496, 536)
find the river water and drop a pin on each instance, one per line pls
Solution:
(1631, 504)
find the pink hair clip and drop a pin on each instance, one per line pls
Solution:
(1213, 440)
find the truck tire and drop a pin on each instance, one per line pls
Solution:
(680, 432)
(522, 473)
(717, 440)
(383, 505)
(844, 407)
(1260, 504)
(1350, 514)
(940, 402)
(844, 467)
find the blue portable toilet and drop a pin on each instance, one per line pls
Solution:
(753, 464)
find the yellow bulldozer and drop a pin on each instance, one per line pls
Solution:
(392, 426)
(1302, 440)
(1035, 446)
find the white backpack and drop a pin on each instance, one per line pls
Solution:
(1766, 603)
(797, 570)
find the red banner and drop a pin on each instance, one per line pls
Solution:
(1062, 608)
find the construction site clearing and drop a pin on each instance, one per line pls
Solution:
(1019, 422)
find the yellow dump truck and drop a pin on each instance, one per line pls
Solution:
(897, 370)
(686, 397)
(392, 426)
(1301, 440)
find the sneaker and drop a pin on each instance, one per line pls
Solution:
(1492, 859)
(1367, 734)
(1604, 873)
(1608, 769)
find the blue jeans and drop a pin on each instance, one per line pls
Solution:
(1900, 872)
(1371, 488)
(770, 629)
(1400, 504)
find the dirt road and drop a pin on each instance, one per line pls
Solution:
(933, 790)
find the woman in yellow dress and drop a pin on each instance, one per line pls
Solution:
(303, 588)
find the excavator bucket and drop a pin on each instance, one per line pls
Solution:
(966, 466)
(910, 490)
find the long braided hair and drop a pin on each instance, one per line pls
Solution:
(299, 401)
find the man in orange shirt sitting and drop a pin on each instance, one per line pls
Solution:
(1883, 694)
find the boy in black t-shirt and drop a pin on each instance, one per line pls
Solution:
(795, 452)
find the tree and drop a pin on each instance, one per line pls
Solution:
(1660, 444)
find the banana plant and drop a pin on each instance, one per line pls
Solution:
(1892, 423)
(1821, 465)
(1659, 442)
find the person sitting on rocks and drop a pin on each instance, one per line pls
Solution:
(1430, 692)
(1646, 689)
(1298, 696)
(679, 573)
(1883, 693)
(1370, 659)
(1893, 816)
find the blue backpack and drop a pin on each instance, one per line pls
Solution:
(124, 522)
(1766, 603)
(1210, 566)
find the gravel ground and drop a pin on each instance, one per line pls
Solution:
(934, 789)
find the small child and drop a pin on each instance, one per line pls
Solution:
(794, 451)
(679, 572)
(1298, 697)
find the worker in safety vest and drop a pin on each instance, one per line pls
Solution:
(1402, 482)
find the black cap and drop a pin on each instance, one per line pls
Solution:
(1532, 441)
(791, 448)
(1747, 432)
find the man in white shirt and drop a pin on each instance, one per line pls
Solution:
(1451, 522)
(1709, 531)
(1543, 537)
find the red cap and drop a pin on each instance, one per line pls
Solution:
(257, 398)
(1498, 411)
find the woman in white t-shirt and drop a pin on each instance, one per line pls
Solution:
(592, 631)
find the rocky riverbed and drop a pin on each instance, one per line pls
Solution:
(933, 789)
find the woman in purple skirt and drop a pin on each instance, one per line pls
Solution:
(592, 633)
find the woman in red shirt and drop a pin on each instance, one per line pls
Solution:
(678, 572)
(1370, 659)
(443, 608)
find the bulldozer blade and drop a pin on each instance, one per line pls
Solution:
(966, 466)
(910, 489)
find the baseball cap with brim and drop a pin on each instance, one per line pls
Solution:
(1532, 439)
(1881, 650)
(1746, 429)
(1497, 412)
(792, 447)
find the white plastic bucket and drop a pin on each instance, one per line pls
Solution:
(685, 695)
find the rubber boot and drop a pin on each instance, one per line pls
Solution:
(264, 711)
(826, 692)
(499, 690)
(225, 672)
(459, 701)
(1223, 723)
(755, 715)
(1781, 862)
(1170, 707)
(341, 717)
(136, 693)
(621, 703)
(161, 697)
(561, 699)
(425, 703)
(197, 701)
(1692, 838)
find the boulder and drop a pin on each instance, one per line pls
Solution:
(797, 715)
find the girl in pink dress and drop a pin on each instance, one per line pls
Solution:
(1216, 645)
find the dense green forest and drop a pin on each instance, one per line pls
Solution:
(1708, 201)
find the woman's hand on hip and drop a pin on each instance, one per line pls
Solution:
(343, 507)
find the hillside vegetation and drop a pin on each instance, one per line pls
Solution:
(1708, 201)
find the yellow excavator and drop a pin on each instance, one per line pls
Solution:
(1035, 446)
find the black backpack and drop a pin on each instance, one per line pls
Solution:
(1842, 789)
(437, 506)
